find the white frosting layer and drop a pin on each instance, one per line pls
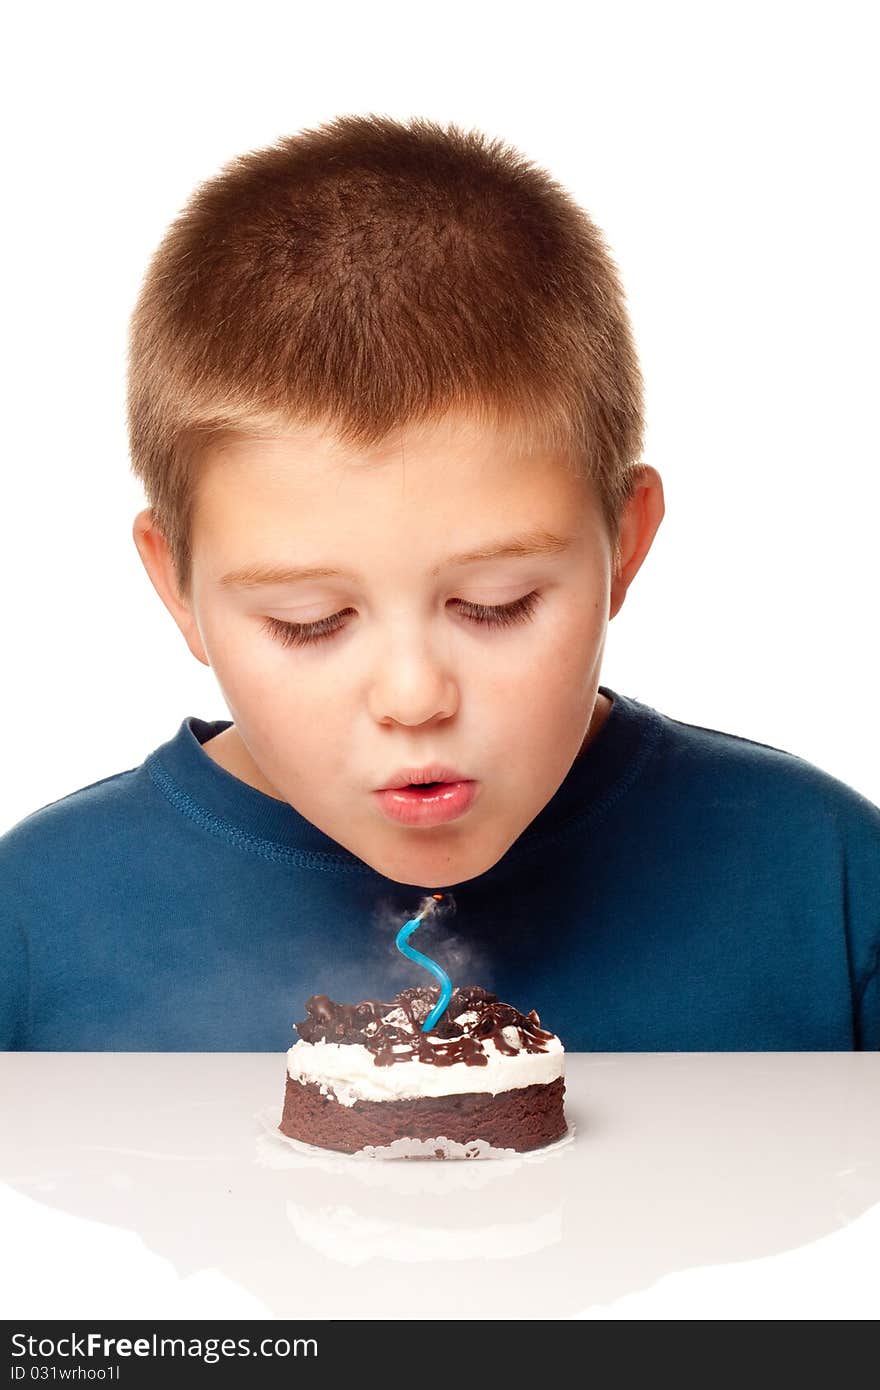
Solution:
(349, 1072)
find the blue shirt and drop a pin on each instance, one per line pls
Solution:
(684, 889)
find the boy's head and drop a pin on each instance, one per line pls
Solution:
(375, 348)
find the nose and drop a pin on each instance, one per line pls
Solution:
(412, 685)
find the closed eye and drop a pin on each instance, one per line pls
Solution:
(303, 634)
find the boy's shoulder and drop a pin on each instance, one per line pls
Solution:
(744, 773)
(100, 837)
(78, 830)
(95, 801)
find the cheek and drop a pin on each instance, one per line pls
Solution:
(560, 650)
(264, 684)
(581, 630)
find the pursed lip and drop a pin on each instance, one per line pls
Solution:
(423, 807)
(418, 776)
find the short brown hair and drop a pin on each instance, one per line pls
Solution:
(371, 273)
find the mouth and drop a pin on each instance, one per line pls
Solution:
(432, 774)
(427, 803)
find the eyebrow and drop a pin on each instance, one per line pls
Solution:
(532, 543)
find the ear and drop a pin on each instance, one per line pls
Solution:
(153, 550)
(638, 526)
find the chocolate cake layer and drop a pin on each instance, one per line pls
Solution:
(522, 1118)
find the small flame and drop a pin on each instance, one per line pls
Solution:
(429, 906)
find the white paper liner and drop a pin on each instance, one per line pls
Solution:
(407, 1148)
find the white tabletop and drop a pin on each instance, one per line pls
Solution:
(698, 1185)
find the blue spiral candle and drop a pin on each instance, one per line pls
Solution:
(403, 936)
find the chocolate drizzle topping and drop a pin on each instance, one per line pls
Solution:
(393, 1032)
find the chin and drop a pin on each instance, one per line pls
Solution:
(421, 868)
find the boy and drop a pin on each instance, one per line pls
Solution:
(387, 411)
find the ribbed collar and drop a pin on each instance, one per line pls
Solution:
(200, 788)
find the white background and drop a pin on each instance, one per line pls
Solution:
(727, 151)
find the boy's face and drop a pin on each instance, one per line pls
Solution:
(410, 676)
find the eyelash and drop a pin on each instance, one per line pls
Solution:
(304, 634)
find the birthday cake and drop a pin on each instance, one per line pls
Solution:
(363, 1076)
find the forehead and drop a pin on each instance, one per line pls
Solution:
(454, 476)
